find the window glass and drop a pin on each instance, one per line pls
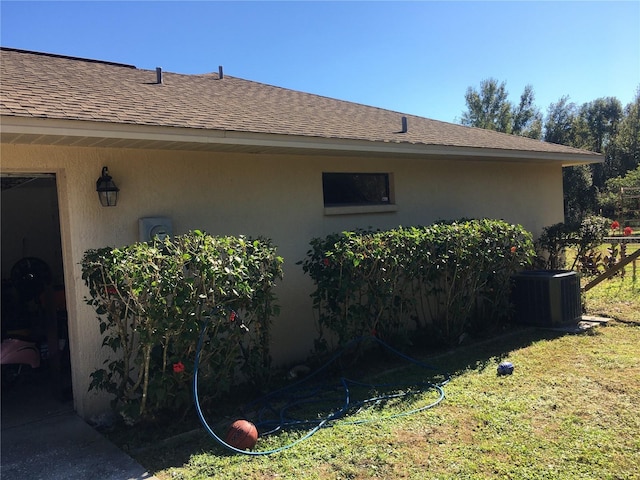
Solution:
(341, 189)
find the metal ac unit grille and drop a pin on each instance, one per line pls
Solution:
(546, 297)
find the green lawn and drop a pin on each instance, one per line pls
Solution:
(570, 410)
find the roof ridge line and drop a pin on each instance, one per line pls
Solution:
(68, 57)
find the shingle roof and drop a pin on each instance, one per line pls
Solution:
(39, 85)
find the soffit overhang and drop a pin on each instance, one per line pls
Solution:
(75, 133)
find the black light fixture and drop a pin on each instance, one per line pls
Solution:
(107, 190)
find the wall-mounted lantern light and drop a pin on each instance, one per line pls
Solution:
(107, 190)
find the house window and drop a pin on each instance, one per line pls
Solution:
(355, 189)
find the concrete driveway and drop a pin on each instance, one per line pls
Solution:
(43, 438)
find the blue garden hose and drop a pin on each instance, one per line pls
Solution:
(297, 396)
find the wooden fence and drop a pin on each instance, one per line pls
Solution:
(624, 261)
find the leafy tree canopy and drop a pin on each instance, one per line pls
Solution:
(602, 126)
(490, 108)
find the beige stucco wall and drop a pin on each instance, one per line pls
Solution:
(275, 196)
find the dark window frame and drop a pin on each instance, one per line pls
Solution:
(356, 189)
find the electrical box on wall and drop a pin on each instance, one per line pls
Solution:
(152, 227)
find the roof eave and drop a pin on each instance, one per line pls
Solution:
(47, 131)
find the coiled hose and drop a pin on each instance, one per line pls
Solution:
(275, 414)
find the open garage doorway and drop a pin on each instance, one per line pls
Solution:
(36, 368)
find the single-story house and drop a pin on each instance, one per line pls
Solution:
(231, 156)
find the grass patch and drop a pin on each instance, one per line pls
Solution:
(570, 410)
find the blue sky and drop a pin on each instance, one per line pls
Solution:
(414, 57)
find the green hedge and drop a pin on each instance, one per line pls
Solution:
(152, 299)
(445, 279)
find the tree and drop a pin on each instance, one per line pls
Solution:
(579, 193)
(527, 119)
(490, 108)
(577, 182)
(558, 126)
(609, 198)
(597, 124)
(626, 145)
(596, 128)
(601, 126)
